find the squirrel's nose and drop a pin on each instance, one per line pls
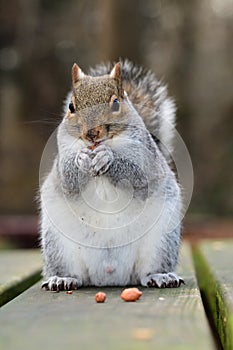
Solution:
(92, 134)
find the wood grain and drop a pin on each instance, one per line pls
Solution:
(161, 319)
(214, 263)
(19, 269)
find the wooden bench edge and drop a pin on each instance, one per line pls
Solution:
(213, 296)
(16, 287)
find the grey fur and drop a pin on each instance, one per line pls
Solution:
(133, 162)
(73, 179)
(150, 98)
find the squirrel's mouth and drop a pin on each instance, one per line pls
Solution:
(94, 145)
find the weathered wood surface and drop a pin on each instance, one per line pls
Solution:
(214, 262)
(161, 319)
(19, 269)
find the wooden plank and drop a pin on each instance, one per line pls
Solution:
(214, 263)
(162, 319)
(19, 269)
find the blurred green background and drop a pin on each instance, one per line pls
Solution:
(187, 43)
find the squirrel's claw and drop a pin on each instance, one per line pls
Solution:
(58, 284)
(102, 160)
(162, 280)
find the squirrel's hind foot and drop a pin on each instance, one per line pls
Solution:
(162, 280)
(58, 284)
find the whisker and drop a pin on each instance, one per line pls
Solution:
(43, 121)
(52, 119)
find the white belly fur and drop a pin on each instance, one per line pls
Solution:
(105, 231)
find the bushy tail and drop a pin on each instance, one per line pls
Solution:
(150, 98)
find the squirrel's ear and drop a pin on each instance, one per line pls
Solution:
(116, 74)
(77, 73)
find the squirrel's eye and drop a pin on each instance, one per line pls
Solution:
(71, 107)
(115, 105)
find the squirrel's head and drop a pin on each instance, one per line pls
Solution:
(95, 108)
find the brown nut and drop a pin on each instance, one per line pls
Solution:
(100, 297)
(131, 294)
(93, 146)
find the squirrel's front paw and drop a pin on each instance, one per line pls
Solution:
(103, 158)
(83, 160)
(56, 283)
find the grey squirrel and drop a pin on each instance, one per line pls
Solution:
(111, 205)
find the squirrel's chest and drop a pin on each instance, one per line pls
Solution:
(103, 214)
